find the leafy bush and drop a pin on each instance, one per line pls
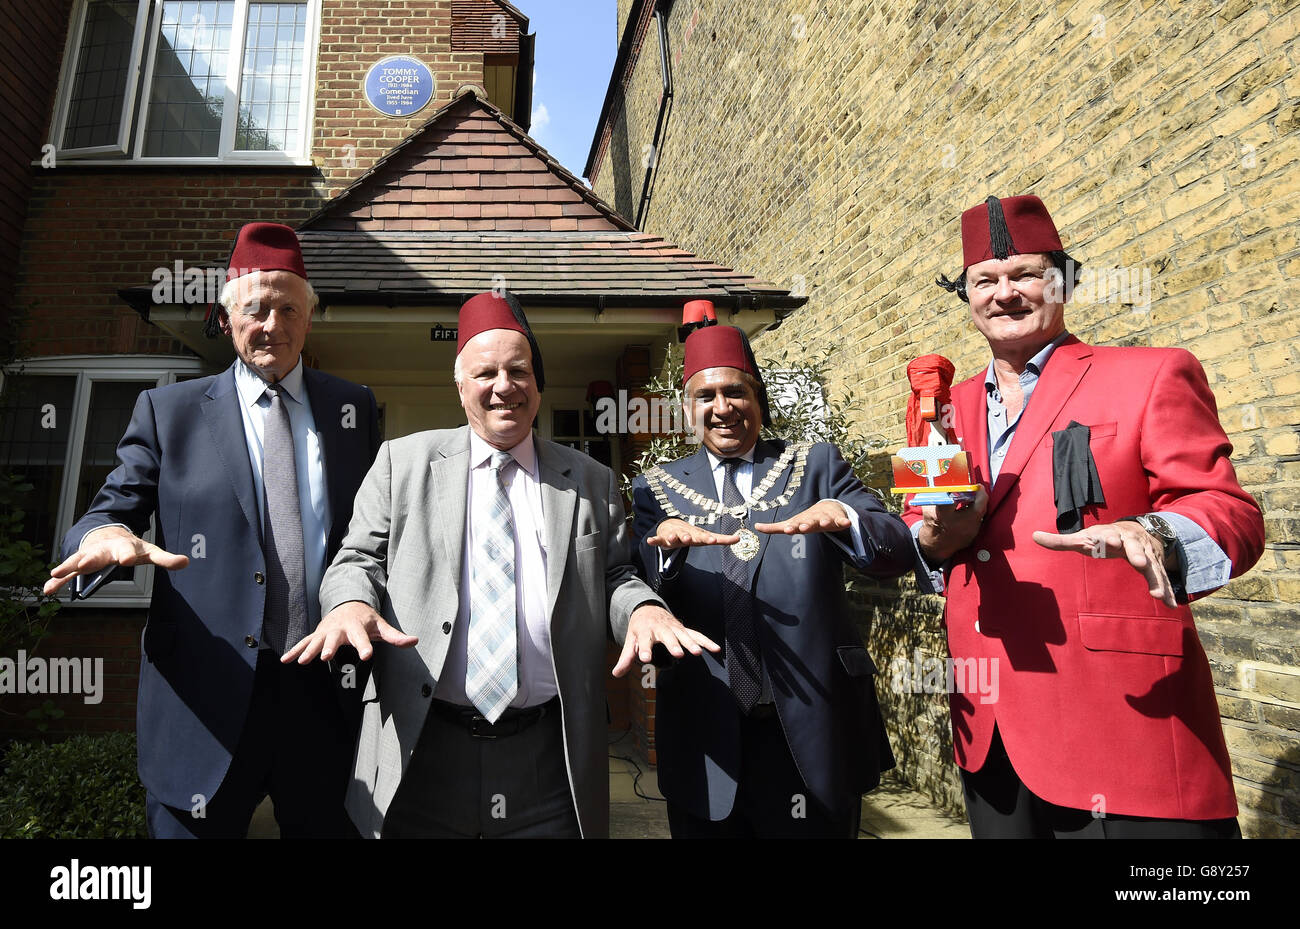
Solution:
(25, 612)
(84, 788)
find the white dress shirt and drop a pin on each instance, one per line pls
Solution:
(536, 671)
(309, 463)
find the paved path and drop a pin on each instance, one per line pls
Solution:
(891, 811)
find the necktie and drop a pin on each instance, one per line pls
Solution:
(491, 674)
(743, 663)
(284, 622)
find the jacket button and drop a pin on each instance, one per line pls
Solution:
(425, 690)
(250, 641)
(983, 554)
(446, 628)
(259, 577)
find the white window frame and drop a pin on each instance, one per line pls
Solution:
(139, 86)
(91, 369)
(68, 74)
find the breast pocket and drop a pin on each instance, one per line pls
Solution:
(586, 542)
(1095, 433)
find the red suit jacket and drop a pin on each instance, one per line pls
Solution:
(1104, 697)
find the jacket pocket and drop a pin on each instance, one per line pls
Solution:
(855, 660)
(1142, 635)
(584, 542)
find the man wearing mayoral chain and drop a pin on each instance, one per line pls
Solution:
(779, 734)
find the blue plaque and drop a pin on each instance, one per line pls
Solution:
(399, 85)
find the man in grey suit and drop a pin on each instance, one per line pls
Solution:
(490, 566)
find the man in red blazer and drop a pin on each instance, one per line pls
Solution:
(1111, 502)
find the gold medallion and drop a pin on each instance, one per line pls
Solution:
(747, 547)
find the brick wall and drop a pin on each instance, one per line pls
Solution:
(830, 147)
(33, 32)
(92, 230)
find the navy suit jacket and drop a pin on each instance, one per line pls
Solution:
(822, 678)
(184, 463)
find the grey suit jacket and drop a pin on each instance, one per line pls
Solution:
(402, 556)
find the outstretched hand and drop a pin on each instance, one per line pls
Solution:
(678, 533)
(111, 545)
(352, 623)
(649, 624)
(823, 516)
(1124, 539)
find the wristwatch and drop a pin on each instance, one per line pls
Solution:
(1157, 526)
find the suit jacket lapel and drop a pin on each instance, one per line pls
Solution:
(220, 410)
(559, 501)
(1064, 370)
(326, 412)
(450, 477)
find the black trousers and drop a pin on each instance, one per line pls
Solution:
(1000, 806)
(462, 786)
(295, 747)
(772, 801)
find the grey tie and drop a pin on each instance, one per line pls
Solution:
(491, 664)
(285, 620)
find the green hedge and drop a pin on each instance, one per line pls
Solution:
(83, 788)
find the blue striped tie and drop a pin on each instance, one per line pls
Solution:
(491, 674)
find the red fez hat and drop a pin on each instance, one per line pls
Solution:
(697, 311)
(717, 347)
(266, 247)
(481, 313)
(1014, 225)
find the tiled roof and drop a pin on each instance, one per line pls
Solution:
(469, 168)
(470, 202)
(621, 268)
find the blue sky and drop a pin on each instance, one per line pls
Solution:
(577, 41)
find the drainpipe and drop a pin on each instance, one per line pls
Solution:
(662, 10)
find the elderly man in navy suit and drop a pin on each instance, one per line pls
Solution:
(253, 473)
(780, 734)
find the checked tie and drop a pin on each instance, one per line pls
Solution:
(284, 621)
(744, 668)
(491, 676)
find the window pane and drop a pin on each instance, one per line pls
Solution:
(273, 70)
(103, 64)
(35, 416)
(564, 423)
(111, 403)
(188, 93)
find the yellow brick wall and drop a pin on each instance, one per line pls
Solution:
(830, 146)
